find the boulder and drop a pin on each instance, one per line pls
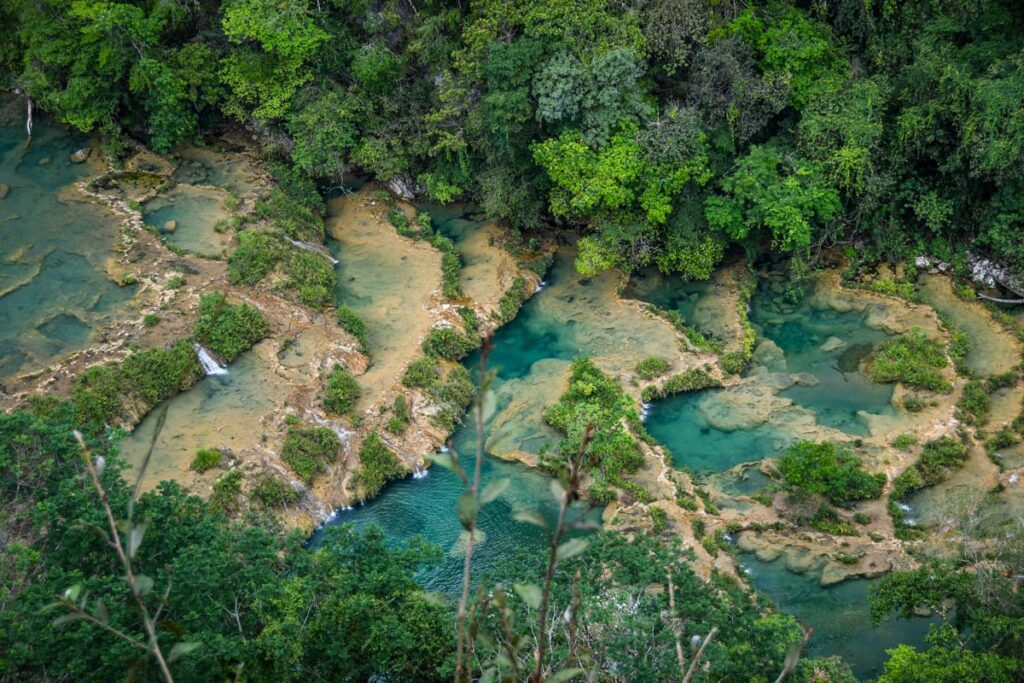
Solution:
(81, 155)
(170, 226)
(832, 344)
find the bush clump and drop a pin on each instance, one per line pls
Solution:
(311, 276)
(595, 399)
(422, 373)
(513, 299)
(652, 367)
(226, 490)
(228, 329)
(308, 450)
(271, 492)
(453, 397)
(341, 391)
(206, 459)
(353, 323)
(377, 465)
(974, 404)
(256, 255)
(912, 359)
(448, 343)
(139, 382)
(939, 457)
(400, 415)
(809, 468)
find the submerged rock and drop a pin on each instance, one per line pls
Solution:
(832, 344)
(45, 161)
(4, 190)
(81, 155)
(170, 226)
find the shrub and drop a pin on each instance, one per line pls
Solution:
(904, 441)
(353, 323)
(862, 518)
(513, 299)
(206, 459)
(825, 469)
(400, 417)
(453, 397)
(270, 492)
(652, 367)
(699, 527)
(451, 284)
(228, 329)
(733, 362)
(659, 520)
(826, 519)
(151, 320)
(594, 398)
(308, 450)
(938, 457)
(694, 379)
(912, 359)
(974, 404)
(470, 321)
(175, 282)
(143, 379)
(448, 343)
(226, 490)
(341, 391)
(422, 373)
(398, 219)
(312, 276)
(1004, 438)
(377, 465)
(906, 483)
(256, 255)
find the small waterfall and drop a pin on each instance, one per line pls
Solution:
(420, 473)
(315, 248)
(339, 431)
(645, 411)
(209, 363)
(540, 286)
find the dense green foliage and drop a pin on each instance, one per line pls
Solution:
(595, 400)
(341, 391)
(228, 329)
(448, 343)
(664, 130)
(354, 324)
(652, 367)
(256, 599)
(206, 459)
(913, 359)
(826, 469)
(128, 389)
(422, 372)
(377, 465)
(309, 450)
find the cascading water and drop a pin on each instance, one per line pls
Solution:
(209, 363)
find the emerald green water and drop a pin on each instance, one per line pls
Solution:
(838, 614)
(200, 215)
(815, 341)
(53, 287)
(803, 333)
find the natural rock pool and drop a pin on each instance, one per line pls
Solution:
(54, 290)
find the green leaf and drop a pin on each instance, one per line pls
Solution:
(557, 490)
(564, 675)
(138, 532)
(489, 675)
(531, 517)
(66, 619)
(182, 649)
(467, 508)
(571, 548)
(530, 593)
(494, 489)
(143, 584)
(71, 594)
